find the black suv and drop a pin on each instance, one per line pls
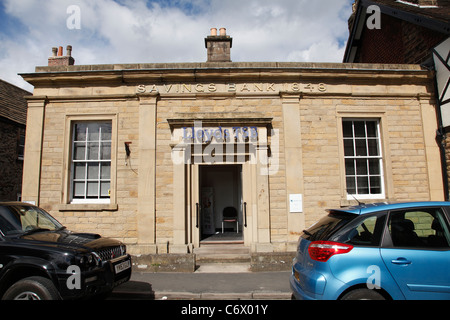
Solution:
(41, 260)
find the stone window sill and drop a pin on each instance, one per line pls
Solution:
(88, 207)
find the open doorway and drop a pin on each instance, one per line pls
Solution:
(220, 199)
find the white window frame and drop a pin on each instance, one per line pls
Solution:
(379, 157)
(73, 161)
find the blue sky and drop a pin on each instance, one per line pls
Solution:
(133, 31)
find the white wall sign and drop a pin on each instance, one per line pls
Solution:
(296, 202)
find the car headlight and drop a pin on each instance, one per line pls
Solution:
(88, 260)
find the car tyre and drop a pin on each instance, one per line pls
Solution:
(362, 294)
(32, 288)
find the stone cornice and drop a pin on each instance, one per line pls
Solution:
(129, 74)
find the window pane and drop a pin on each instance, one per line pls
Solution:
(348, 147)
(93, 169)
(349, 167)
(92, 152)
(104, 192)
(351, 186)
(78, 190)
(105, 152)
(360, 129)
(80, 132)
(363, 185)
(106, 131)
(79, 151)
(80, 171)
(373, 147)
(361, 149)
(361, 167)
(372, 131)
(105, 171)
(347, 128)
(93, 131)
(374, 166)
(375, 185)
(92, 190)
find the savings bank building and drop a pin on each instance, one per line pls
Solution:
(173, 158)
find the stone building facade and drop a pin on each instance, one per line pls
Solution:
(152, 154)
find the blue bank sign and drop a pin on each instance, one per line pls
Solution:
(219, 134)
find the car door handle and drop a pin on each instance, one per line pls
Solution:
(401, 261)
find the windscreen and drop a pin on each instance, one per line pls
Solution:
(23, 219)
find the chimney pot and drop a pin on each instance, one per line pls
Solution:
(214, 31)
(60, 51)
(223, 31)
(69, 50)
(54, 51)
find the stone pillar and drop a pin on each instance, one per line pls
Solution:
(147, 173)
(179, 200)
(262, 193)
(33, 149)
(294, 168)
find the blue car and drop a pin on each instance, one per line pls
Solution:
(375, 251)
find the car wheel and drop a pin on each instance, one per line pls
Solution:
(362, 294)
(32, 288)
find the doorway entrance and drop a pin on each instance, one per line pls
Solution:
(220, 189)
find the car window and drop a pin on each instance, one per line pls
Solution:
(364, 233)
(366, 230)
(420, 228)
(20, 219)
(327, 226)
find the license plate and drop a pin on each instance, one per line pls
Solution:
(122, 266)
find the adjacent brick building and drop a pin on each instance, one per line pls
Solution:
(13, 117)
(152, 154)
(406, 32)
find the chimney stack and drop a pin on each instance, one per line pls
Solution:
(218, 46)
(57, 58)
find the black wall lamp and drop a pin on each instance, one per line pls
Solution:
(127, 148)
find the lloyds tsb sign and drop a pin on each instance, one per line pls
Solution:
(221, 135)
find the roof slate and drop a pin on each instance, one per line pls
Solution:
(440, 13)
(13, 105)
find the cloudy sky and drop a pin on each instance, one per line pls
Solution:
(132, 31)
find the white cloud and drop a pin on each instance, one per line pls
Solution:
(126, 31)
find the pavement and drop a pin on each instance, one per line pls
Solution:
(205, 285)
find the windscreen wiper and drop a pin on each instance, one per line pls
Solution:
(26, 233)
